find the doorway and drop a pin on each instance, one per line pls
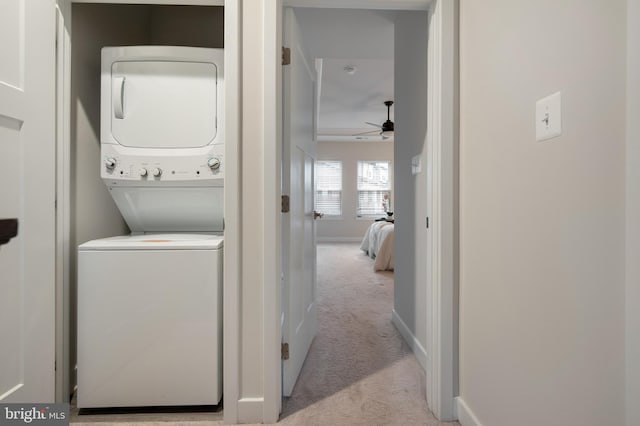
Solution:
(343, 155)
(440, 170)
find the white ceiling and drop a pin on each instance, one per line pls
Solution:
(364, 39)
(347, 101)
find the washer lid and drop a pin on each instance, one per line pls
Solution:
(156, 242)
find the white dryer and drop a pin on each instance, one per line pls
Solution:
(150, 303)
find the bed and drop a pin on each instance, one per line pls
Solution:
(378, 244)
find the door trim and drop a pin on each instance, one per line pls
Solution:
(63, 201)
(442, 241)
(272, 267)
(231, 312)
(362, 4)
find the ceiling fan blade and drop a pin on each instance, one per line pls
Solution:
(365, 133)
(373, 124)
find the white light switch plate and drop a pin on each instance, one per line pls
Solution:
(416, 165)
(549, 117)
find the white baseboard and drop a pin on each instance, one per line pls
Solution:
(250, 410)
(339, 239)
(412, 341)
(465, 415)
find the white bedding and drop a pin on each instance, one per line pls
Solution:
(378, 244)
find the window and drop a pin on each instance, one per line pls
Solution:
(374, 183)
(329, 187)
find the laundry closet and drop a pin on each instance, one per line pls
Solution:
(95, 211)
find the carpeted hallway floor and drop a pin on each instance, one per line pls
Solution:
(359, 371)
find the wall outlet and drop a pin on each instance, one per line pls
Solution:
(549, 117)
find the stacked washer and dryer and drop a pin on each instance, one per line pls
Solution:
(150, 303)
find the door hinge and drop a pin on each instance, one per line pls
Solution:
(286, 56)
(285, 204)
(285, 351)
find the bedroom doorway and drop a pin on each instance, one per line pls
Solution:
(347, 171)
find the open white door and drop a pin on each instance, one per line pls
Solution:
(27, 192)
(299, 231)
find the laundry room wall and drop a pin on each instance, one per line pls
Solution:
(187, 26)
(93, 212)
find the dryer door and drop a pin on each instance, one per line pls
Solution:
(163, 104)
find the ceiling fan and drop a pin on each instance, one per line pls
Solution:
(385, 129)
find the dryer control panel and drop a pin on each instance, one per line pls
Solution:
(162, 165)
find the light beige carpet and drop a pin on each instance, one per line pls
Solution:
(359, 371)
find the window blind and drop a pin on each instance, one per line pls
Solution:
(374, 183)
(328, 195)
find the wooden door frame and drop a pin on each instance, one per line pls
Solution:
(442, 169)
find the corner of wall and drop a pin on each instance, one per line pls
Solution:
(465, 416)
(411, 340)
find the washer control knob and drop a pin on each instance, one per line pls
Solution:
(143, 172)
(156, 171)
(110, 163)
(213, 163)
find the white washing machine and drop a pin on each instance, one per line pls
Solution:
(149, 321)
(150, 303)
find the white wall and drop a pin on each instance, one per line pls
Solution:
(330, 33)
(542, 228)
(411, 32)
(633, 214)
(348, 227)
